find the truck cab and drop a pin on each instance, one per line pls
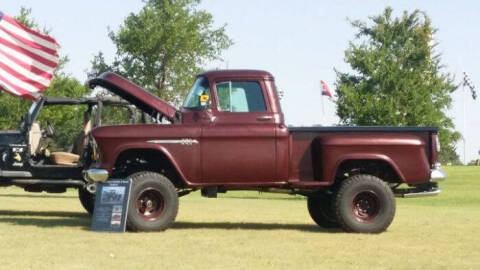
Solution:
(238, 117)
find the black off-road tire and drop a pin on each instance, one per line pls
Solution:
(364, 204)
(153, 204)
(87, 200)
(320, 209)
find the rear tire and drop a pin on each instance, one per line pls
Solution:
(153, 204)
(364, 204)
(87, 200)
(320, 209)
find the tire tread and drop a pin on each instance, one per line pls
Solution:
(355, 180)
(144, 176)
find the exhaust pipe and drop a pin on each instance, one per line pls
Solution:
(92, 188)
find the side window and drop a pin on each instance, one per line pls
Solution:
(240, 97)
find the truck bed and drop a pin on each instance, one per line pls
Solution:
(317, 152)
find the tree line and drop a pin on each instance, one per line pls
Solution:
(397, 78)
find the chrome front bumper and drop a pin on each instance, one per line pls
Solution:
(95, 175)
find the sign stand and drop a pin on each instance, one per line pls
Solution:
(111, 205)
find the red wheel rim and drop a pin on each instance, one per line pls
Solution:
(365, 206)
(150, 204)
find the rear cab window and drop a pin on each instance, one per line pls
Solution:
(240, 97)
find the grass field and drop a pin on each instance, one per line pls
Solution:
(245, 230)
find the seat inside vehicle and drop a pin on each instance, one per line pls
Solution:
(64, 158)
(34, 137)
(81, 141)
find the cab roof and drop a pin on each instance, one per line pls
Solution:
(249, 73)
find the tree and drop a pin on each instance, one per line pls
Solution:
(164, 46)
(398, 78)
(67, 119)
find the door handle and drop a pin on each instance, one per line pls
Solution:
(264, 118)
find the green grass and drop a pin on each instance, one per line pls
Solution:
(245, 230)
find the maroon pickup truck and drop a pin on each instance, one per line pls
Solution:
(230, 135)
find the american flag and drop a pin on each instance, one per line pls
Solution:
(325, 89)
(27, 59)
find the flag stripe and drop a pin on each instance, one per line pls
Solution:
(26, 70)
(17, 82)
(22, 77)
(11, 87)
(34, 51)
(27, 59)
(26, 56)
(30, 43)
(27, 67)
(8, 88)
(29, 34)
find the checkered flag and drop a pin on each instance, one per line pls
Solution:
(468, 83)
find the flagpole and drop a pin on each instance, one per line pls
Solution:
(464, 125)
(466, 82)
(323, 110)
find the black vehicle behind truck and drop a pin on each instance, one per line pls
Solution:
(28, 160)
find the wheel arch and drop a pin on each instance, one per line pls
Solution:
(375, 164)
(129, 160)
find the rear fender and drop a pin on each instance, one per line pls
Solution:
(372, 157)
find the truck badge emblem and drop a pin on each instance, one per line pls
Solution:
(187, 142)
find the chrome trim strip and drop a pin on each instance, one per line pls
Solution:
(187, 142)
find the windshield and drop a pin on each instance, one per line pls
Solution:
(199, 94)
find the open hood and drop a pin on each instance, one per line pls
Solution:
(134, 94)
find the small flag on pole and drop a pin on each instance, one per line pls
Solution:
(468, 82)
(27, 59)
(325, 89)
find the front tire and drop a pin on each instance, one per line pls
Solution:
(153, 204)
(87, 199)
(364, 204)
(320, 209)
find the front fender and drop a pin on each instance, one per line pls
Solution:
(109, 163)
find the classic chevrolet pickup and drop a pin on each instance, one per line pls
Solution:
(230, 135)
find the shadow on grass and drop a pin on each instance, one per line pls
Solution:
(263, 198)
(39, 195)
(45, 219)
(180, 225)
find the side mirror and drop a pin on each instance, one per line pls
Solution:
(209, 114)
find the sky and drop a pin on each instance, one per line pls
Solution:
(299, 42)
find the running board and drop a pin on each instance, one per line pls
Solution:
(418, 193)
